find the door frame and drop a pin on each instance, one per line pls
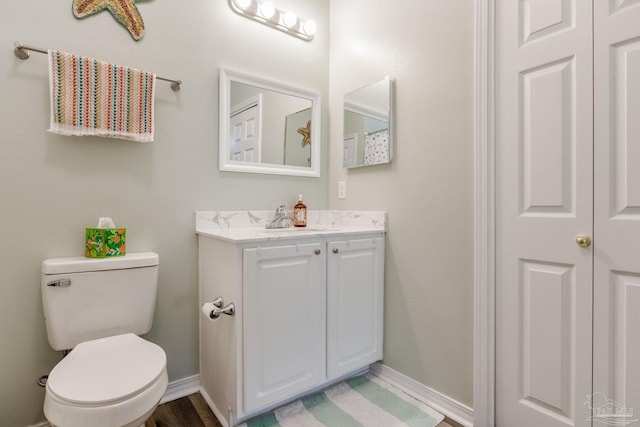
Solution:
(484, 216)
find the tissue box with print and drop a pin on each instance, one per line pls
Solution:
(105, 242)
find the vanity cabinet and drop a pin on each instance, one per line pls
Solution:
(309, 311)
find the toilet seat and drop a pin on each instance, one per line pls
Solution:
(121, 377)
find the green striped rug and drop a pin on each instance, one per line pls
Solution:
(364, 401)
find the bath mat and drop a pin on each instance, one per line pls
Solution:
(364, 401)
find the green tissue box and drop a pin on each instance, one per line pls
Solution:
(105, 242)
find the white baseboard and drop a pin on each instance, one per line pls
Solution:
(175, 390)
(181, 388)
(450, 408)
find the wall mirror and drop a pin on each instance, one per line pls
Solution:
(267, 126)
(368, 136)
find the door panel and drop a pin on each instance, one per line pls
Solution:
(626, 127)
(546, 313)
(544, 191)
(548, 174)
(542, 18)
(617, 206)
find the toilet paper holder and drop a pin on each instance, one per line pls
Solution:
(219, 308)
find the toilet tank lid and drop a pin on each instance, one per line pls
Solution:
(83, 264)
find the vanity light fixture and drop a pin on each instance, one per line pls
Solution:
(267, 10)
(289, 19)
(243, 4)
(266, 13)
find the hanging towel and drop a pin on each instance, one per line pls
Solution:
(91, 97)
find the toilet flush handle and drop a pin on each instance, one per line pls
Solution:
(61, 283)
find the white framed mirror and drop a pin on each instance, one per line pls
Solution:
(267, 126)
(368, 125)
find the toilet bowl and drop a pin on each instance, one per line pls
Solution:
(107, 382)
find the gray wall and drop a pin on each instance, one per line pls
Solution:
(427, 48)
(52, 187)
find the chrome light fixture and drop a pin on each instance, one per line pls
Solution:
(266, 13)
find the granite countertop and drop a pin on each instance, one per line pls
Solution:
(249, 226)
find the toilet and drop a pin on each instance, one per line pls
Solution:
(97, 308)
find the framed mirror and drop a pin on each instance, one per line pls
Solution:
(368, 136)
(267, 126)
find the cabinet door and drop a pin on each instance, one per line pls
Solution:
(284, 318)
(355, 289)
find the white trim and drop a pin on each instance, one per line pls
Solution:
(180, 388)
(219, 415)
(42, 424)
(451, 408)
(484, 218)
(366, 111)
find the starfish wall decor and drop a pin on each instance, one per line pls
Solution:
(306, 134)
(124, 11)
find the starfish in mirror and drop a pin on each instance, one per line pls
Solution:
(124, 11)
(306, 134)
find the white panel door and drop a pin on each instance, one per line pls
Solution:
(544, 149)
(349, 150)
(355, 298)
(617, 212)
(284, 322)
(245, 138)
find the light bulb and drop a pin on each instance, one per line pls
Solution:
(267, 9)
(243, 4)
(289, 19)
(309, 28)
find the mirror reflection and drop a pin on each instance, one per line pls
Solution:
(367, 137)
(267, 126)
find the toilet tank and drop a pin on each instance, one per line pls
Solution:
(89, 298)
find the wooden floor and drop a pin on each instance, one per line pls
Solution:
(190, 411)
(193, 411)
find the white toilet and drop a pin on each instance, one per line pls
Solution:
(98, 307)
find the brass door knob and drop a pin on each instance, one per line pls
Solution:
(583, 240)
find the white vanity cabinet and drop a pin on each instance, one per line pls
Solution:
(309, 311)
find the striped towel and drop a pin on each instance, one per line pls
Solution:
(364, 401)
(91, 97)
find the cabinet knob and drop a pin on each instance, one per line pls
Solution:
(317, 251)
(336, 250)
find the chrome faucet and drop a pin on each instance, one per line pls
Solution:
(282, 218)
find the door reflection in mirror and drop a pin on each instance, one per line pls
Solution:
(267, 126)
(271, 124)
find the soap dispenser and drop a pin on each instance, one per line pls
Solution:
(300, 213)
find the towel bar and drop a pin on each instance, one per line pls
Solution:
(20, 51)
